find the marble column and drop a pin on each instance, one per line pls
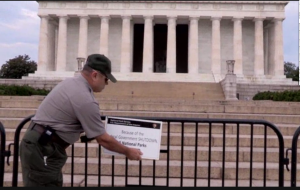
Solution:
(126, 45)
(104, 35)
(148, 45)
(193, 59)
(259, 47)
(43, 43)
(216, 46)
(83, 36)
(52, 44)
(62, 44)
(171, 46)
(278, 52)
(237, 46)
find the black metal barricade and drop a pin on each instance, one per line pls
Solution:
(3, 153)
(201, 158)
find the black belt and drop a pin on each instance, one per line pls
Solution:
(54, 138)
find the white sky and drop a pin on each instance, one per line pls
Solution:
(19, 30)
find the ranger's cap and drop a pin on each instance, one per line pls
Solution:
(101, 63)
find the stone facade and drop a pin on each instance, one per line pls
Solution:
(248, 32)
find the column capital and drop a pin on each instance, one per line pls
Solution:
(216, 18)
(126, 17)
(194, 18)
(104, 17)
(147, 17)
(259, 19)
(172, 17)
(63, 16)
(84, 16)
(46, 16)
(277, 19)
(237, 19)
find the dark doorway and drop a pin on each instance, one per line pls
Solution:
(138, 46)
(182, 31)
(160, 47)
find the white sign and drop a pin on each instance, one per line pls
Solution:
(135, 133)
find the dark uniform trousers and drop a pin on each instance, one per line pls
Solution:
(41, 164)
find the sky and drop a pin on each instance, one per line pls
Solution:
(19, 30)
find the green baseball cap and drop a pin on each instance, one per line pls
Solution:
(101, 63)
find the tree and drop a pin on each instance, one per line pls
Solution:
(291, 71)
(17, 67)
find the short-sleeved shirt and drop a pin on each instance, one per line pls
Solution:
(71, 109)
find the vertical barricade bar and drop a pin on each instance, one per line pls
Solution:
(294, 158)
(16, 150)
(2, 154)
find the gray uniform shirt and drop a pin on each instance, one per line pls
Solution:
(70, 109)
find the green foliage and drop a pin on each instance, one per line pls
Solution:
(291, 71)
(287, 95)
(17, 67)
(25, 90)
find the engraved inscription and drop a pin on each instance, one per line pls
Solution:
(195, 6)
(149, 5)
(104, 5)
(249, 7)
(83, 5)
(95, 5)
(62, 5)
(205, 6)
(173, 6)
(228, 7)
(239, 7)
(43, 4)
(72, 5)
(260, 7)
(280, 7)
(126, 5)
(216, 6)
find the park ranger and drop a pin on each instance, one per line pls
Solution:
(67, 111)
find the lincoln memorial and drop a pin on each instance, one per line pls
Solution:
(164, 40)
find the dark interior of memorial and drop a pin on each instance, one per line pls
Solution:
(160, 32)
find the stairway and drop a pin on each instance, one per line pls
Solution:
(285, 115)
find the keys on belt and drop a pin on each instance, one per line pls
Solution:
(48, 135)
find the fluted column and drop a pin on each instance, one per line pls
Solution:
(237, 46)
(62, 44)
(148, 45)
(171, 45)
(104, 35)
(193, 46)
(83, 36)
(52, 27)
(259, 47)
(278, 46)
(216, 46)
(125, 45)
(43, 43)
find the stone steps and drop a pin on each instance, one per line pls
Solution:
(285, 115)
(273, 118)
(92, 181)
(147, 89)
(161, 100)
(175, 168)
(170, 107)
